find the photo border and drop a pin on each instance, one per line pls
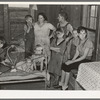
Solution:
(7, 94)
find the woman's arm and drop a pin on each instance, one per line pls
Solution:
(55, 49)
(82, 57)
(25, 29)
(76, 54)
(78, 59)
(52, 33)
(52, 28)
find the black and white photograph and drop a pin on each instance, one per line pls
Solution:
(49, 46)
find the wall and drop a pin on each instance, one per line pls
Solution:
(16, 21)
(73, 11)
(1, 21)
(51, 12)
(75, 15)
(12, 19)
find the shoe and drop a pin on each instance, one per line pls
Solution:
(48, 84)
(57, 86)
(55, 83)
(64, 87)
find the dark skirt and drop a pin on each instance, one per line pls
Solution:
(68, 68)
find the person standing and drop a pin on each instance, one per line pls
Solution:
(57, 48)
(67, 27)
(29, 36)
(42, 33)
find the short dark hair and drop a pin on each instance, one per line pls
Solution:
(28, 16)
(44, 16)
(81, 28)
(64, 14)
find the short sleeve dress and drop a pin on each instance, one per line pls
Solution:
(42, 35)
(55, 62)
(68, 33)
(87, 44)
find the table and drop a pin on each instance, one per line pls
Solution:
(89, 75)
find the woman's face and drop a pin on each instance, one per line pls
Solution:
(75, 34)
(82, 34)
(60, 18)
(41, 19)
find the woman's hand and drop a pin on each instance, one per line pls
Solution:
(55, 49)
(29, 24)
(69, 62)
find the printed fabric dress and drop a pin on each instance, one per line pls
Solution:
(42, 36)
(67, 34)
(55, 63)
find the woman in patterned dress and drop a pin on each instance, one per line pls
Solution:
(67, 27)
(42, 33)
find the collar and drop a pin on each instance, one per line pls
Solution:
(60, 42)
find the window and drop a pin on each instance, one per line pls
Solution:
(89, 16)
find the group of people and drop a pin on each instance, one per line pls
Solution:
(64, 46)
(69, 47)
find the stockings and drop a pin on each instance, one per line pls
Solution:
(54, 79)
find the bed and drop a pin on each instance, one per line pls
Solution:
(22, 79)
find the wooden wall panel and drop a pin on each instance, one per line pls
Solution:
(1, 20)
(73, 11)
(6, 23)
(16, 30)
(51, 12)
(16, 22)
(17, 14)
(75, 15)
(16, 17)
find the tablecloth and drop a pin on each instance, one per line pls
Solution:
(89, 75)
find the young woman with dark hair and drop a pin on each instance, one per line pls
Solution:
(83, 54)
